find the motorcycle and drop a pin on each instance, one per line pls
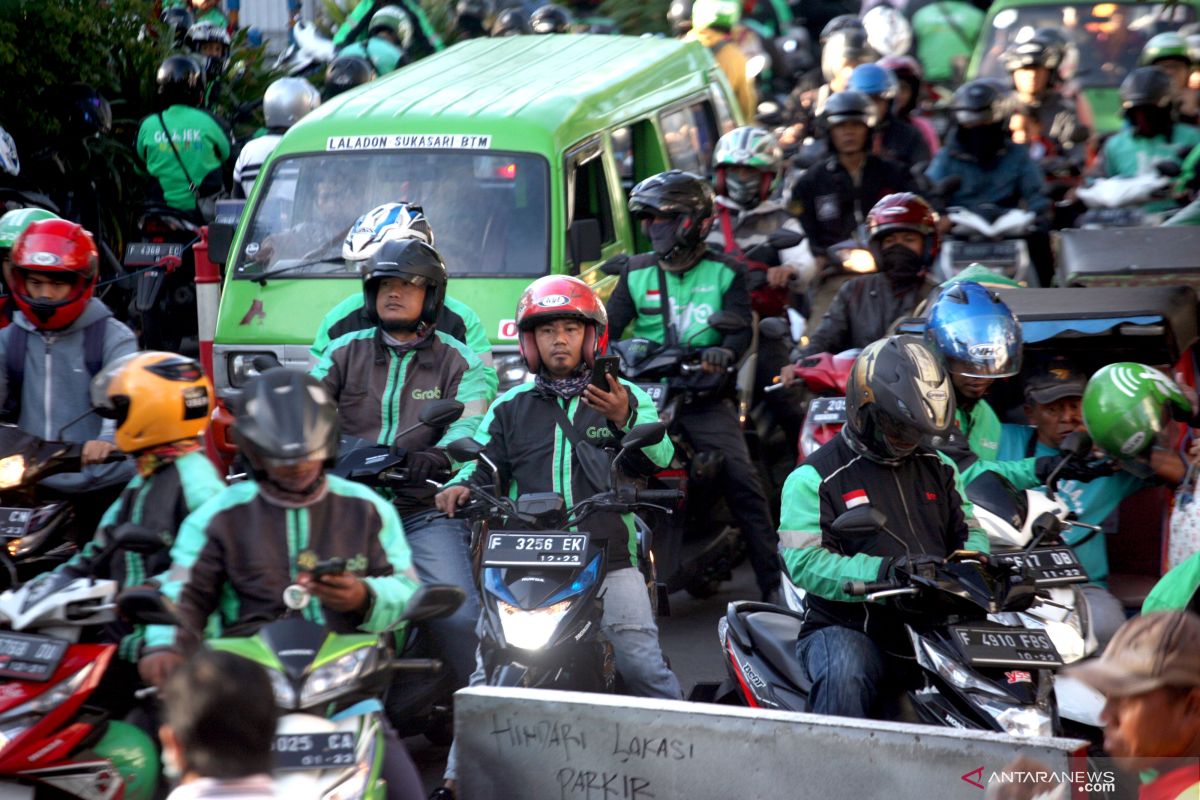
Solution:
(825, 376)
(1120, 202)
(541, 577)
(992, 236)
(691, 552)
(52, 740)
(969, 672)
(330, 740)
(164, 301)
(308, 52)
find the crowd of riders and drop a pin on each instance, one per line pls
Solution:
(866, 136)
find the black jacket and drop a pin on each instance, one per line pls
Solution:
(900, 141)
(831, 206)
(862, 311)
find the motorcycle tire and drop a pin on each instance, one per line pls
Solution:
(703, 588)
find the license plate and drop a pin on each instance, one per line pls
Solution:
(535, 549)
(14, 522)
(314, 750)
(1048, 566)
(656, 391)
(1005, 252)
(1004, 647)
(29, 657)
(147, 254)
(1113, 217)
(827, 410)
(12, 791)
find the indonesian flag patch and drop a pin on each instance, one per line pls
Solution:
(856, 498)
(653, 295)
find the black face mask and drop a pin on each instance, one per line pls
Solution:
(744, 193)
(901, 264)
(662, 236)
(984, 142)
(1150, 121)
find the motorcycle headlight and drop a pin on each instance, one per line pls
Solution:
(12, 470)
(511, 370)
(530, 630)
(285, 694)
(953, 672)
(328, 680)
(17, 720)
(29, 542)
(858, 260)
(1021, 721)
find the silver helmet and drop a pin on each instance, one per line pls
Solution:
(287, 100)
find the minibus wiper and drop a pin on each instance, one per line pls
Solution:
(261, 278)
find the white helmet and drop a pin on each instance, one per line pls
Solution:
(888, 32)
(287, 100)
(9, 162)
(386, 223)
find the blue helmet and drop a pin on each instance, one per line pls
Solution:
(975, 333)
(874, 80)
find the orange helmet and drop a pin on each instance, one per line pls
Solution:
(555, 297)
(60, 249)
(154, 397)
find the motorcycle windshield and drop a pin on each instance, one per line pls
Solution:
(489, 213)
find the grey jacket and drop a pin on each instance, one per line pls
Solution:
(55, 394)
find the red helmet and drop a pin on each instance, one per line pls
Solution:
(904, 211)
(60, 249)
(555, 297)
(903, 67)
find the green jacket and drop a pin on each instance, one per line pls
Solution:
(383, 55)
(974, 447)
(1177, 590)
(1127, 155)
(203, 147)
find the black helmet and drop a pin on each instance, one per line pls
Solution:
(284, 417)
(1146, 86)
(981, 101)
(841, 22)
(678, 194)
(180, 81)
(414, 261)
(470, 16)
(88, 112)
(1036, 52)
(345, 73)
(178, 20)
(679, 17)
(849, 107)
(897, 393)
(511, 22)
(550, 18)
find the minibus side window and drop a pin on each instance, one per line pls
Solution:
(691, 135)
(591, 199)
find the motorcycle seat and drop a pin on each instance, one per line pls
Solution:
(775, 637)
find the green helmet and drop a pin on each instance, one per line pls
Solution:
(1163, 46)
(722, 14)
(14, 223)
(1123, 407)
(395, 20)
(978, 273)
(748, 147)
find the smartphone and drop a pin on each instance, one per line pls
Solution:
(605, 366)
(331, 566)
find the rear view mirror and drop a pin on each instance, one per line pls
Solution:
(441, 413)
(433, 601)
(583, 241)
(860, 522)
(774, 328)
(1077, 443)
(143, 605)
(1168, 168)
(644, 435)
(727, 322)
(139, 539)
(785, 239)
(464, 450)
(220, 230)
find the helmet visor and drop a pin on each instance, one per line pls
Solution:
(102, 403)
(981, 347)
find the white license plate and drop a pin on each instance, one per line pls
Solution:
(12, 791)
(314, 750)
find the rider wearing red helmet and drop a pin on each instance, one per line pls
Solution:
(563, 327)
(903, 237)
(52, 274)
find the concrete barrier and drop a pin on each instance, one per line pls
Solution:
(541, 745)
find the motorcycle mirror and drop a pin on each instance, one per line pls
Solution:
(785, 239)
(644, 435)
(613, 266)
(441, 413)
(433, 601)
(1077, 443)
(859, 522)
(139, 539)
(727, 322)
(774, 328)
(265, 362)
(1168, 168)
(464, 450)
(144, 605)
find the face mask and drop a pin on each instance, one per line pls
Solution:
(662, 236)
(901, 263)
(984, 141)
(744, 193)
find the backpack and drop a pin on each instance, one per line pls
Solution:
(14, 363)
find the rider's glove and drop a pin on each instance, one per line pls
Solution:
(422, 464)
(717, 356)
(892, 568)
(1074, 470)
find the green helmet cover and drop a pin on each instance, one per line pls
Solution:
(748, 147)
(1123, 407)
(1162, 46)
(715, 14)
(14, 223)
(978, 273)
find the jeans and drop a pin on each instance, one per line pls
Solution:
(846, 668)
(715, 427)
(628, 624)
(441, 551)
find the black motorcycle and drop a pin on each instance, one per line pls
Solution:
(164, 288)
(541, 577)
(969, 672)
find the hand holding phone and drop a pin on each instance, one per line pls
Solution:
(330, 566)
(605, 366)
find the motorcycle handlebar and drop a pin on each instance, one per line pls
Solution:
(861, 588)
(660, 496)
(422, 665)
